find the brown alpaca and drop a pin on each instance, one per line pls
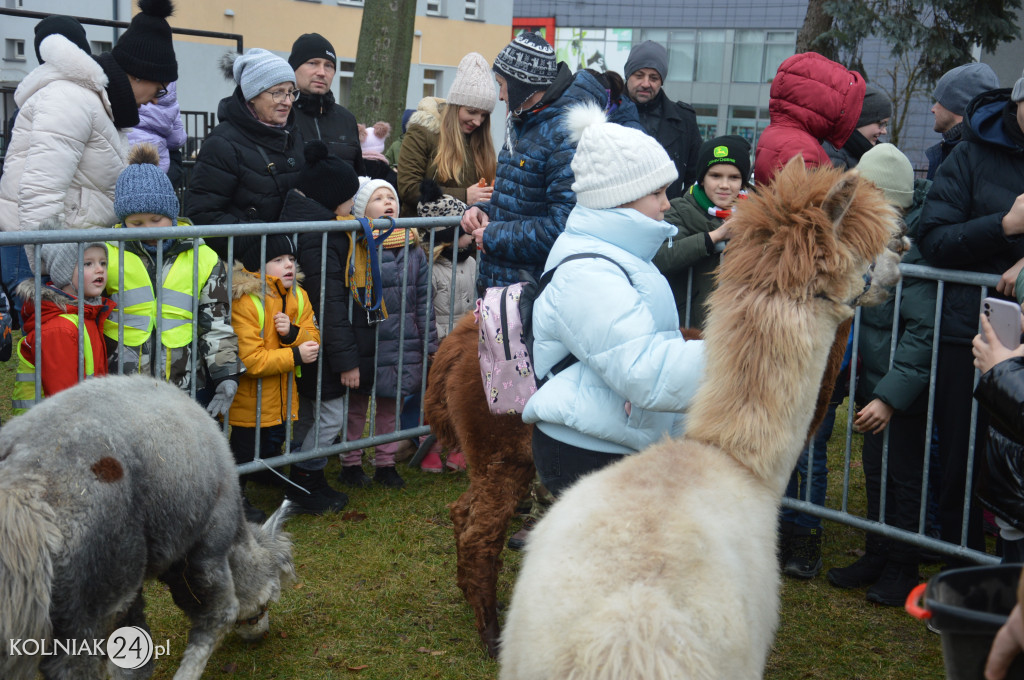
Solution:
(500, 462)
(663, 565)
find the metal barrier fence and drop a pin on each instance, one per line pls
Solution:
(841, 513)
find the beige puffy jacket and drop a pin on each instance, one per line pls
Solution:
(65, 153)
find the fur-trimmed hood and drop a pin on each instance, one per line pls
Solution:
(64, 61)
(245, 282)
(428, 114)
(26, 290)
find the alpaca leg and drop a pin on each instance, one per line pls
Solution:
(203, 588)
(491, 501)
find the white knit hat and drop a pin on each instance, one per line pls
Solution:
(890, 170)
(614, 164)
(258, 70)
(366, 188)
(474, 84)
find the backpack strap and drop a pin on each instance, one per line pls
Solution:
(569, 359)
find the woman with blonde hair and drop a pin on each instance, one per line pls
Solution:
(450, 143)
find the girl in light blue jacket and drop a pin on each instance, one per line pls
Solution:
(635, 375)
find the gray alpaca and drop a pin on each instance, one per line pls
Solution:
(107, 484)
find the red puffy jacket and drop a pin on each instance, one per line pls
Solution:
(812, 99)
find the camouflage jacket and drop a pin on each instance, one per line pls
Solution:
(217, 343)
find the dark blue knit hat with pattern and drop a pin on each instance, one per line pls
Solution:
(143, 187)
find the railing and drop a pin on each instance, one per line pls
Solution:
(833, 511)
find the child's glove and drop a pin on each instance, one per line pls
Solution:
(222, 397)
(5, 337)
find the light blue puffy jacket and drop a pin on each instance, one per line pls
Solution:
(626, 337)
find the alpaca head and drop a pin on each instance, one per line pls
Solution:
(261, 565)
(815, 234)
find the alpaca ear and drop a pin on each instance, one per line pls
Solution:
(840, 198)
(795, 163)
(274, 523)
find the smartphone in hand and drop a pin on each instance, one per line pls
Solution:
(1005, 319)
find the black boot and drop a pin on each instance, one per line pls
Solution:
(895, 584)
(353, 476)
(316, 496)
(865, 570)
(805, 556)
(387, 475)
(785, 546)
(252, 513)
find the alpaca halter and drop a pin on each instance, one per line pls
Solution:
(868, 275)
(253, 620)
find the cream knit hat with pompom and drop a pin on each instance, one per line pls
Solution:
(474, 84)
(613, 164)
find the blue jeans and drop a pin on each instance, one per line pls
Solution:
(14, 269)
(797, 487)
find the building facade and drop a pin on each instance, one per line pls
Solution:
(445, 30)
(722, 55)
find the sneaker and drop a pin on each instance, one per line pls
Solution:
(456, 461)
(252, 513)
(321, 498)
(406, 450)
(387, 476)
(805, 555)
(353, 477)
(517, 541)
(432, 461)
(894, 585)
(863, 572)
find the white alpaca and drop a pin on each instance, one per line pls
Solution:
(663, 566)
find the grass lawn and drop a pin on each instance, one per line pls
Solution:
(376, 598)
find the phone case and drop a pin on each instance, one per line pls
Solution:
(1005, 319)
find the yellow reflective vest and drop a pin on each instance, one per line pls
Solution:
(23, 396)
(136, 304)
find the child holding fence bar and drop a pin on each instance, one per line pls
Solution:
(277, 334)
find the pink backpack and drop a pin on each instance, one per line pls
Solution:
(504, 316)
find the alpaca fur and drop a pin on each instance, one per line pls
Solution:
(500, 464)
(109, 483)
(663, 566)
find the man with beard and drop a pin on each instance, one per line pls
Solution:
(954, 91)
(317, 115)
(673, 124)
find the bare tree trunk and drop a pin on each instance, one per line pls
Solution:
(817, 21)
(382, 61)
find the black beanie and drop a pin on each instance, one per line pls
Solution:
(60, 24)
(248, 249)
(146, 49)
(731, 149)
(311, 46)
(328, 180)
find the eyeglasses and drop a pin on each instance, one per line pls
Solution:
(162, 91)
(281, 95)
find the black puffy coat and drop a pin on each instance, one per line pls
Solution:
(961, 224)
(233, 181)
(1001, 487)
(674, 125)
(317, 116)
(344, 344)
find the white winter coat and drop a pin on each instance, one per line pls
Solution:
(625, 336)
(65, 153)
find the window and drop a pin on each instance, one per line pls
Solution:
(473, 9)
(435, 8)
(710, 56)
(15, 50)
(356, 3)
(346, 71)
(756, 55)
(100, 46)
(432, 83)
(707, 120)
(747, 122)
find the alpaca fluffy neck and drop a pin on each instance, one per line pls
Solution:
(765, 358)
